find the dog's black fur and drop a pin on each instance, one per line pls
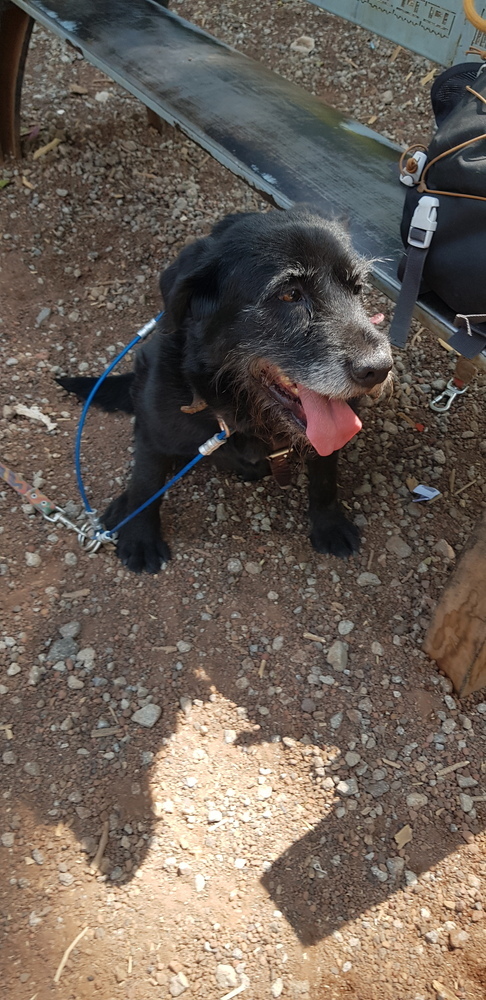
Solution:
(275, 292)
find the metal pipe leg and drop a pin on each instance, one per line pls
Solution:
(15, 30)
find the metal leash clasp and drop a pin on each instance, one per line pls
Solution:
(443, 402)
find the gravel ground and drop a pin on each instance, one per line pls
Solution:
(293, 797)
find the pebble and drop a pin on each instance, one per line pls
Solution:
(348, 787)
(466, 802)
(7, 839)
(443, 549)
(304, 44)
(70, 630)
(395, 866)
(368, 580)
(215, 816)
(63, 649)
(74, 683)
(336, 720)
(147, 716)
(398, 547)
(352, 758)
(178, 984)
(345, 627)
(234, 566)
(277, 988)
(337, 656)
(42, 316)
(199, 882)
(308, 706)
(416, 800)
(253, 568)
(32, 768)
(38, 856)
(33, 559)
(226, 977)
(458, 939)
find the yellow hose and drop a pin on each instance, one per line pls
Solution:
(473, 16)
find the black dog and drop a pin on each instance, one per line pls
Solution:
(265, 329)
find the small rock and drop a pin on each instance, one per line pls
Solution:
(9, 757)
(215, 816)
(398, 547)
(395, 866)
(308, 706)
(7, 839)
(70, 630)
(264, 792)
(230, 736)
(32, 768)
(416, 800)
(63, 649)
(466, 802)
(74, 683)
(458, 939)
(42, 316)
(66, 878)
(387, 97)
(337, 656)
(377, 649)
(226, 977)
(38, 856)
(277, 987)
(147, 716)
(431, 937)
(368, 580)
(336, 720)
(102, 96)
(178, 984)
(304, 44)
(183, 647)
(443, 549)
(352, 758)
(199, 882)
(378, 788)
(71, 559)
(34, 676)
(377, 872)
(348, 787)
(33, 559)
(253, 568)
(234, 566)
(345, 627)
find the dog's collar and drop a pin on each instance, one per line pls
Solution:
(278, 460)
(279, 465)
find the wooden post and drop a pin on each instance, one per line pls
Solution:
(456, 638)
(15, 31)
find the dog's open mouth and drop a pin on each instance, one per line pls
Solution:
(328, 423)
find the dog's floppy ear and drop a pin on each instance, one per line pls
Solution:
(191, 284)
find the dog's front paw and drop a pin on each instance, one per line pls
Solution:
(142, 551)
(334, 535)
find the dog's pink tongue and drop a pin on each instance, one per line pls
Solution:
(331, 423)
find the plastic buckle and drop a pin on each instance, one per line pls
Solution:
(449, 394)
(424, 222)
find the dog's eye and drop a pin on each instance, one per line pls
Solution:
(293, 295)
(357, 289)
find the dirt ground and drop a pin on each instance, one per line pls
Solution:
(254, 831)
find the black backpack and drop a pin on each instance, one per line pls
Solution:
(445, 207)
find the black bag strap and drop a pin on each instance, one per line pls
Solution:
(422, 229)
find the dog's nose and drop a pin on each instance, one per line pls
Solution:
(371, 374)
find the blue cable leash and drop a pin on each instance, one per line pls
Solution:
(207, 448)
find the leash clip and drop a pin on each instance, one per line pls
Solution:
(215, 442)
(443, 402)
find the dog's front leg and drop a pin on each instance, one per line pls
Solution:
(140, 545)
(331, 532)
